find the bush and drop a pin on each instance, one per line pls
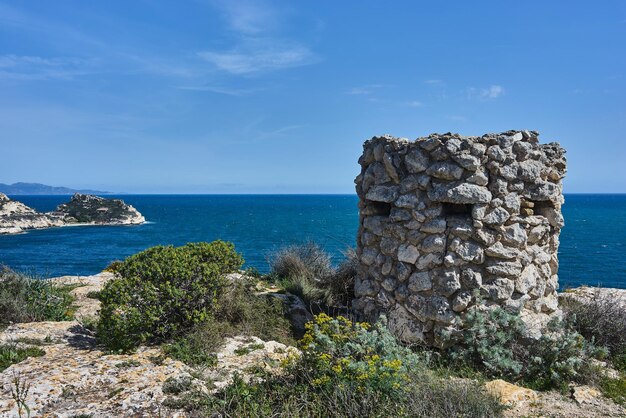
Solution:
(615, 389)
(12, 353)
(307, 272)
(164, 291)
(27, 299)
(347, 370)
(239, 311)
(603, 321)
(494, 343)
(307, 261)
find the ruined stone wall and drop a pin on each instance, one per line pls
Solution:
(448, 221)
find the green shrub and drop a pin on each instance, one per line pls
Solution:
(603, 321)
(347, 370)
(197, 348)
(491, 341)
(615, 389)
(239, 311)
(307, 260)
(27, 299)
(12, 353)
(114, 266)
(164, 291)
(495, 343)
(306, 271)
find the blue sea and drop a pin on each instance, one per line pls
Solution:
(592, 252)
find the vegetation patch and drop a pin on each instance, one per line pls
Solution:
(603, 321)
(242, 351)
(352, 370)
(11, 353)
(615, 389)
(306, 271)
(25, 298)
(239, 311)
(128, 364)
(161, 292)
(177, 385)
(494, 342)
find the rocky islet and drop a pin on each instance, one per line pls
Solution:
(16, 217)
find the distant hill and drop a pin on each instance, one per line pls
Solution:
(37, 188)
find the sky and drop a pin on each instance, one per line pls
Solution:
(250, 96)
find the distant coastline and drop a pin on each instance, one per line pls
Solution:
(38, 189)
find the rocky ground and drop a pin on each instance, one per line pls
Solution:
(16, 217)
(76, 377)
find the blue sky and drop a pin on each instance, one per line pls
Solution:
(277, 97)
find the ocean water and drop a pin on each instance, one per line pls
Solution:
(593, 242)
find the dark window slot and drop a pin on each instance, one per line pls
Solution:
(378, 208)
(454, 209)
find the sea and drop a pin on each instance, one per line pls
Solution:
(592, 251)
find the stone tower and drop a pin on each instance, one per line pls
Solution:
(449, 221)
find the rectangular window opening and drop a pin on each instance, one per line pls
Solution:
(378, 208)
(455, 209)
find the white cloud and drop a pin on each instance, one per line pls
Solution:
(489, 93)
(414, 103)
(247, 16)
(257, 49)
(28, 67)
(492, 92)
(364, 90)
(266, 56)
(228, 91)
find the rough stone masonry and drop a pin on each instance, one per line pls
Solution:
(448, 221)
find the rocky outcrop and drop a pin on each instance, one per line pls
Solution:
(15, 217)
(75, 376)
(447, 217)
(587, 295)
(90, 209)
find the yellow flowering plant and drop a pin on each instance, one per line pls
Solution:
(338, 351)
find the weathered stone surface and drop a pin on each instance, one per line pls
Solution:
(429, 261)
(433, 243)
(460, 193)
(461, 301)
(445, 170)
(447, 215)
(504, 268)
(509, 393)
(404, 326)
(448, 282)
(527, 280)
(407, 201)
(479, 178)
(382, 194)
(470, 251)
(500, 289)
(408, 254)
(416, 161)
(498, 250)
(515, 235)
(433, 308)
(496, 217)
(467, 161)
(419, 282)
